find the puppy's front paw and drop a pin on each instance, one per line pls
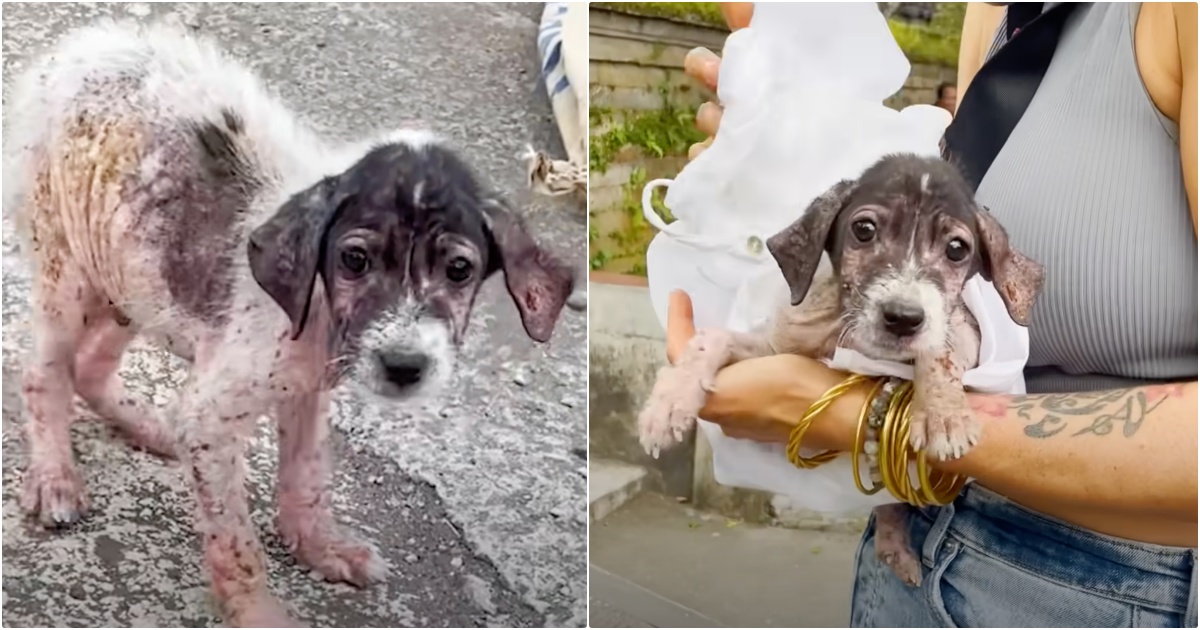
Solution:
(54, 494)
(337, 556)
(676, 401)
(944, 434)
(260, 610)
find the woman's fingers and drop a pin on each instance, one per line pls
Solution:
(737, 14)
(698, 148)
(708, 118)
(703, 65)
(680, 325)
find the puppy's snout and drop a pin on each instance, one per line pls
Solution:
(403, 368)
(902, 319)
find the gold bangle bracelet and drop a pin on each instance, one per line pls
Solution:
(893, 463)
(819, 405)
(934, 487)
(856, 451)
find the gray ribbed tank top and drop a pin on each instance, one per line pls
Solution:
(1090, 184)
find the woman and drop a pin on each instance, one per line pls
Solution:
(1084, 510)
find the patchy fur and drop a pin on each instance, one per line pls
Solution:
(902, 241)
(162, 191)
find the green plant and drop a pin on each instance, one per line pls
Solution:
(936, 43)
(634, 234)
(658, 133)
(667, 131)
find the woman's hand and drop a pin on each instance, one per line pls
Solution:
(762, 399)
(705, 66)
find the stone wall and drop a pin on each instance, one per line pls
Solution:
(921, 85)
(636, 61)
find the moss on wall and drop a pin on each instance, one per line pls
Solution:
(704, 13)
(668, 131)
(623, 250)
(935, 43)
(658, 133)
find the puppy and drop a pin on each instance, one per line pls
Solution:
(162, 191)
(902, 241)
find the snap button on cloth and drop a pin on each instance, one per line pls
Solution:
(754, 245)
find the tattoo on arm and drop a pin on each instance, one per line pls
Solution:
(1084, 413)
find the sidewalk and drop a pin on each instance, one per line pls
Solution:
(656, 562)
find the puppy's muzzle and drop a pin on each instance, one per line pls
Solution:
(902, 318)
(402, 368)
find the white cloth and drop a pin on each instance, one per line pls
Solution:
(803, 89)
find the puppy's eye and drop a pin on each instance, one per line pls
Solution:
(957, 250)
(355, 260)
(863, 230)
(459, 269)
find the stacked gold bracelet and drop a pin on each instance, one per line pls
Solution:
(814, 410)
(934, 487)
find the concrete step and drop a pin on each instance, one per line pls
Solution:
(610, 484)
(670, 566)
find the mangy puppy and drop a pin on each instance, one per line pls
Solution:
(162, 191)
(903, 240)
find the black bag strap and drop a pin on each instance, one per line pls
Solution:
(1003, 88)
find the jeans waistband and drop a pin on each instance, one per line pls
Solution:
(1141, 573)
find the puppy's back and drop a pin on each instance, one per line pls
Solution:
(139, 76)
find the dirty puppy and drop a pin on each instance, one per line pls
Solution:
(162, 191)
(901, 241)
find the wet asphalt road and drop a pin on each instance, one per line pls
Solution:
(478, 501)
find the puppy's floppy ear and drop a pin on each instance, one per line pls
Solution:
(537, 281)
(797, 249)
(1018, 278)
(285, 252)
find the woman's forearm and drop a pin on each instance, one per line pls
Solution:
(1129, 450)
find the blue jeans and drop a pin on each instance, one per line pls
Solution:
(988, 562)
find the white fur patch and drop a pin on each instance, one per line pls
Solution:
(403, 329)
(906, 285)
(414, 138)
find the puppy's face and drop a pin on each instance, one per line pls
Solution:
(904, 239)
(403, 240)
(904, 246)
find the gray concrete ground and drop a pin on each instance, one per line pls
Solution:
(662, 564)
(477, 502)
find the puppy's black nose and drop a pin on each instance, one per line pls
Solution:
(902, 319)
(403, 368)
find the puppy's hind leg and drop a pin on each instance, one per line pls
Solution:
(97, 382)
(680, 390)
(892, 545)
(52, 490)
(305, 519)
